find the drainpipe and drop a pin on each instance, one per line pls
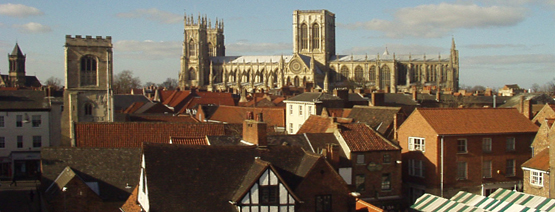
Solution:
(441, 173)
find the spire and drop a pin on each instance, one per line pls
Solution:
(16, 51)
(453, 43)
(386, 52)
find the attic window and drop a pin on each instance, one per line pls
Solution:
(269, 194)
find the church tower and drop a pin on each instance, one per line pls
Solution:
(88, 83)
(201, 41)
(314, 34)
(453, 74)
(16, 74)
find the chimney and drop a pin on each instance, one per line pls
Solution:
(438, 96)
(527, 110)
(343, 94)
(254, 131)
(414, 94)
(332, 154)
(397, 120)
(378, 99)
(521, 104)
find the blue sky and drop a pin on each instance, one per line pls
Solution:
(499, 41)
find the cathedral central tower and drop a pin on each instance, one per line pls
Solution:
(314, 34)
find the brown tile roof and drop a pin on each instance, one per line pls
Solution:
(360, 138)
(236, 115)
(539, 161)
(338, 112)
(134, 107)
(174, 98)
(189, 140)
(460, 121)
(161, 118)
(131, 205)
(133, 134)
(379, 118)
(317, 124)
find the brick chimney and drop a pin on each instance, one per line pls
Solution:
(414, 94)
(378, 99)
(527, 110)
(398, 118)
(332, 154)
(342, 93)
(254, 131)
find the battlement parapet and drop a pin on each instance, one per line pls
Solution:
(88, 40)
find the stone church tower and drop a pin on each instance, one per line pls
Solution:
(88, 83)
(201, 41)
(16, 74)
(314, 34)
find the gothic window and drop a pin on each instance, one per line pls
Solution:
(296, 81)
(372, 74)
(211, 50)
(315, 36)
(304, 36)
(88, 70)
(359, 74)
(192, 74)
(402, 75)
(344, 73)
(88, 109)
(385, 78)
(192, 48)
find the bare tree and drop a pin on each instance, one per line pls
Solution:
(124, 82)
(169, 84)
(54, 82)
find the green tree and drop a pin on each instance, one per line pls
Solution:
(124, 82)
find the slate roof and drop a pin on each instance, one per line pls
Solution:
(123, 101)
(317, 124)
(112, 168)
(235, 114)
(389, 57)
(23, 100)
(539, 161)
(221, 167)
(464, 121)
(535, 98)
(379, 118)
(30, 81)
(133, 134)
(396, 99)
(313, 97)
(361, 138)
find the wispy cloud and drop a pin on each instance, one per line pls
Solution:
(32, 27)
(19, 10)
(148, 50)
(244, 47)
(153, 14)
(437, 20)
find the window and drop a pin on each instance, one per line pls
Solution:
(304, 36)
(360, 159)
(386, 158)
(461, 171)
(19, 141)
(290, 109)
(486, 169)
(192, 48)
(359, 74)
(416, 168)
(88, 70)
(19, 121)
(1, 121)
(2, 142)
(309, 110)
(386, 181)
(372, 74)
(359, 182)
(291, 128)
(536, 178)
(211, 50)
(511, 144)
(385, 77)
(37, 141)
(88, 109)
(344, 73)
(269, 194)
(510, 168)
(461, 146)
(323, 203)
(315, 36)
(300, 110)
(486, 144)
(416, 144)
(36, 120)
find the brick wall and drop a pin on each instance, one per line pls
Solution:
(533, 189)
(373, 168)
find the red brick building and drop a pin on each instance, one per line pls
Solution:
(474, 150)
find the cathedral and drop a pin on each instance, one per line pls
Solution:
(314, 63)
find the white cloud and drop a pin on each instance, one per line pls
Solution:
(153, 14)
(244, 47)
(19, 10)
(32, 27)
(437, 20)
(148, 50)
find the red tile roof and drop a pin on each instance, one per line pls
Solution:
(462, 121)
(366, 207)
(134, 107)
(133, 134)
(206, 98)
(162, 118)
(361, 138)
(539, 161)
(317, 124)
(234, 114)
